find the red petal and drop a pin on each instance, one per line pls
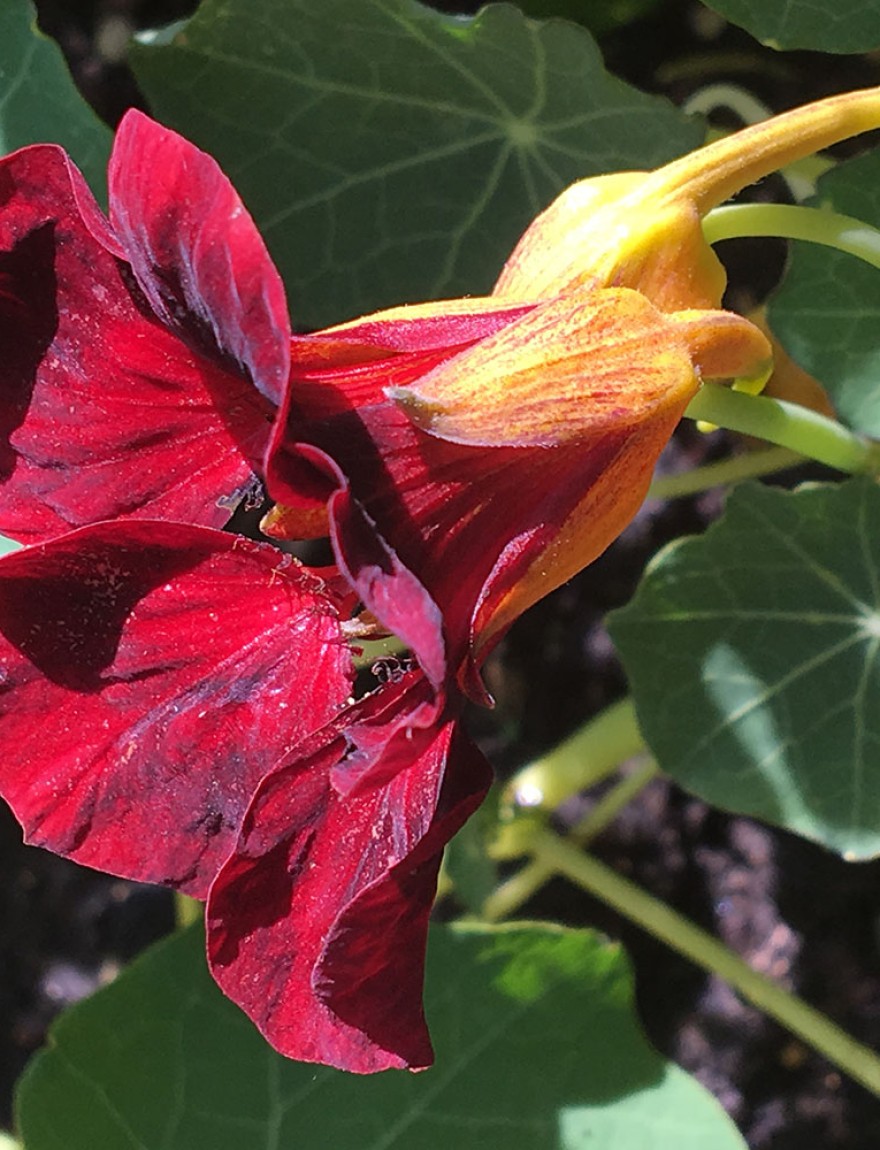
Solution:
(103, 411)
(317, 924)
(151, 675)
(196, 252)
(349, 367)
(461, 525)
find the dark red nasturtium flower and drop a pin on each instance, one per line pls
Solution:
(472, 455)
(176, 702)
(175, 708)
(142, 355)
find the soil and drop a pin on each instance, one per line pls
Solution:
(790, 908)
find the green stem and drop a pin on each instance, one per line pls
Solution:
(748, 465)
(590, 754)
(519, 888)
(792, 222)
(678, 932)
(187, 910)
(788, 425)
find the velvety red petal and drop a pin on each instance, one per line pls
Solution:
(196, 253)
(150, 675)
(104, 412)
(349, 367)
(317, 924)
(437, 326)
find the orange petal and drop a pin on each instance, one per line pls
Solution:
(578, 365)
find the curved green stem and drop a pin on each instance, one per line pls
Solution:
(678, 932)
(587, 756)
(749, 465)
(792, 222)
(788, 425)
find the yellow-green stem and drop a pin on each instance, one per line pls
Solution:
(678, 932)
(792, 222)
(519, 888)
(589, 755)
(748, 465)
(187, 910)
(788, 425)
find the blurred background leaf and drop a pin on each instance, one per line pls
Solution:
(823, 25)
(38, 100)
(390, 152)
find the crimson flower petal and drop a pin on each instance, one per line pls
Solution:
(196, 253)
(150, 675)
(105, 411)
(461, 525)
(317, 923)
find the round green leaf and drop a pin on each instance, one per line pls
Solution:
(38, 100)
(537, 1047)
(391, 153)
(824, 25)
(752, 653)
(827, 311)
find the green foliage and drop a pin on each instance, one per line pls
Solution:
(827, 311)
(391, 153)
(600, 16)
(752, 652)
(824, 25)
(467, 862)
(38, 100)
(537, 1046)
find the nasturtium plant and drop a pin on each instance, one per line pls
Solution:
(390, 317)
(828, 306)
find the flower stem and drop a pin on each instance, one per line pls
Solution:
(792, 222)
(587, 756)
(786, 424)
(519, 888)
(712, 174)
(678, 932)
(187, 910)
(748, 465)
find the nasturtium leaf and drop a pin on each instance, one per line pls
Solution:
(752, 653)
(537, 1047)
(827, 311)
(823, 25)
(467, 863)
(39, 103)
(390, 152)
